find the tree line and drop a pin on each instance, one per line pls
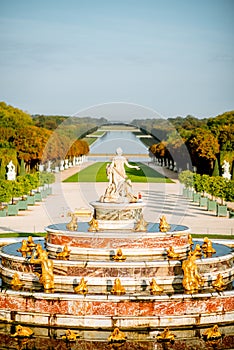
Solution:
(29, 140)
(207, 142)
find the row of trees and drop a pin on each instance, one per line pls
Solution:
(216, 186)
(23, 185)
(40, 138)
(207, 141)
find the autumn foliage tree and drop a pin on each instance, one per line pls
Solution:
(203, 147)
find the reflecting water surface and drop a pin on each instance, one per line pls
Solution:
(108, 143)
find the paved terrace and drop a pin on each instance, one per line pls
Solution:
(160, 199)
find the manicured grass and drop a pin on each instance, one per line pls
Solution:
(97, 173)
(212, 236)
(22, 234)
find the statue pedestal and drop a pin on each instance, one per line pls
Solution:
(117, 216)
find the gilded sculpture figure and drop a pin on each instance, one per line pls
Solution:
(190, 240)
(119, 188)
(117, 336)
(207, 246)
(93, 225)
(163, 225)
(166, 335)
(82, 287)
(141, 225)
(40, 256)
(119, 255)
(197, 252)
(212, 333)
(70, 336)
(118, 289)
(72, 225)
(24, 249)
(64, 254)
(22, 332)
(219, 283)
(30, 243)
(16, 283)
(155, 288)
(192, 281)
(171, 254)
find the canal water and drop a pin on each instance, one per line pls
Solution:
(111, 140)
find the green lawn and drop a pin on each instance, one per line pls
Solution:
(97, 173)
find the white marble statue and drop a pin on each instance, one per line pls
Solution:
(118, 187)
(11, 174)
(226, 171)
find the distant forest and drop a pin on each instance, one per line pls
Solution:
(34, 139)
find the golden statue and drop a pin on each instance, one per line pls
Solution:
(119, 255)
(93, 225)
(117, 336)
(22, 332)
(70, 335)
(64, 254)
(73, 224)
(212, 333)
(30, 243)
(171, 254)
(118, 289)
(166, 335)
(40, 256)
(197, 251)
(207, 246)
(190, 240)
(163, 225)
(16, 283)
(141, 225)
(192, 281)
(82, 287)
(155, 288)
(219, 284)
(24, 249)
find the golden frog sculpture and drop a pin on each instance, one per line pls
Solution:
(171, 254)
(117, 336)
(163, 225)
(212, 333)
(192, 281)
(82, 287)
(118, 289)
(22, 332)
(155, 288)
(16, 283)
(70, 336)
(119, 255)
(166, 335)
(219, 284)
(64, 254)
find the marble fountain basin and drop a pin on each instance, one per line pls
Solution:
(100, 275)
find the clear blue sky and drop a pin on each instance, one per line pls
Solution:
(174, 56)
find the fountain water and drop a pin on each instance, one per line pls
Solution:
(116, 270)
